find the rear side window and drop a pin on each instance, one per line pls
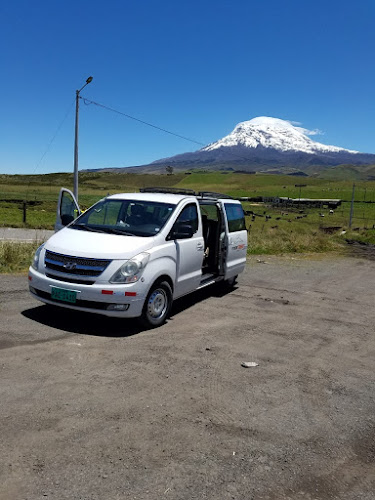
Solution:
(235, 216)
(210, 211)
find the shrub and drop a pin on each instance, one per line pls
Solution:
(16, 257)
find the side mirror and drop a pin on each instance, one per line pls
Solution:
(66, 219)
(181, 232)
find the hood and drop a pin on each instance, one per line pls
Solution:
(79, 243)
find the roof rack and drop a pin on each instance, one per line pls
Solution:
(212, 194)
(168, 190)
(190, 192)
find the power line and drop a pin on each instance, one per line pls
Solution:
(89, 101)
(53, 138)
(49, 145)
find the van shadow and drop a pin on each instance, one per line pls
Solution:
(83, 323)
(188, 301)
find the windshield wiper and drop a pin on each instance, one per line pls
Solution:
(87, 228)
(117, 231)
(105, 230)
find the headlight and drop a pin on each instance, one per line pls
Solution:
(131, 270)
(35, 262)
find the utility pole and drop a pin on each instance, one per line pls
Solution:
(75, 180)
(352, 208)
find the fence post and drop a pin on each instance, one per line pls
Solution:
(351, 208)
(24, 212)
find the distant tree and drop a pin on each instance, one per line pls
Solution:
(169, 169)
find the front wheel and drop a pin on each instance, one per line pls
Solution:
(157, 305)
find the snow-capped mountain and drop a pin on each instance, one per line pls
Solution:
(266, 143)
(275, 134)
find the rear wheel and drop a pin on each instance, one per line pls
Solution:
(157, 305)
(231, 282)
(227, 285)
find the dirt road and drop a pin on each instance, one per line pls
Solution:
(94, 409)
(24, 235)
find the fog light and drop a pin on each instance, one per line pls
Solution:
(32, 290)
(118, 307)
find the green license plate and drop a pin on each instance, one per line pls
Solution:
(63, 295)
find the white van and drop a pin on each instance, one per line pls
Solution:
(130, 255)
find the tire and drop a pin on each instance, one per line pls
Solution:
(157, 305)
(227, 285)
(231, 282)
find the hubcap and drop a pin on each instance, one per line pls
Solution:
(157, 303)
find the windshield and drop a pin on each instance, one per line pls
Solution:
(125, 217)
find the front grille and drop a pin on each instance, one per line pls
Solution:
(69, 279)
(75, 265)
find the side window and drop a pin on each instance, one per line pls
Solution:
(210, 211)
(68, 209)
(189, 215)
(235, 216)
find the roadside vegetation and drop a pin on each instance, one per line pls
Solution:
(272, 229)
(16, 257)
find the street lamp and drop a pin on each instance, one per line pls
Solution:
(75, 181)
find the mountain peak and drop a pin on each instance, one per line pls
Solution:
(264, 144)
(274, 133)
(267, 121)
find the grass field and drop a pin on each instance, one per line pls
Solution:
(278, 233)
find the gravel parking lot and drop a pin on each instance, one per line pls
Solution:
(95, 408)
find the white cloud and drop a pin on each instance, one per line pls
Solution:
(306, 131)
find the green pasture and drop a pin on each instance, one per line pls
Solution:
(283, 231)
(275, 230)
(278, 185)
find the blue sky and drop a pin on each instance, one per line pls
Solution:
(196, 68)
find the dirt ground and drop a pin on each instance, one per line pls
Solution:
(93, 408)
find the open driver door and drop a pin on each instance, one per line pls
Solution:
(67, 209)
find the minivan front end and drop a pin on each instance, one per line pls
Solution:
(113, 287)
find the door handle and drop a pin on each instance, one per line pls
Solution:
(199, 246)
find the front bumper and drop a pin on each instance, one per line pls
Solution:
(96, 298)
